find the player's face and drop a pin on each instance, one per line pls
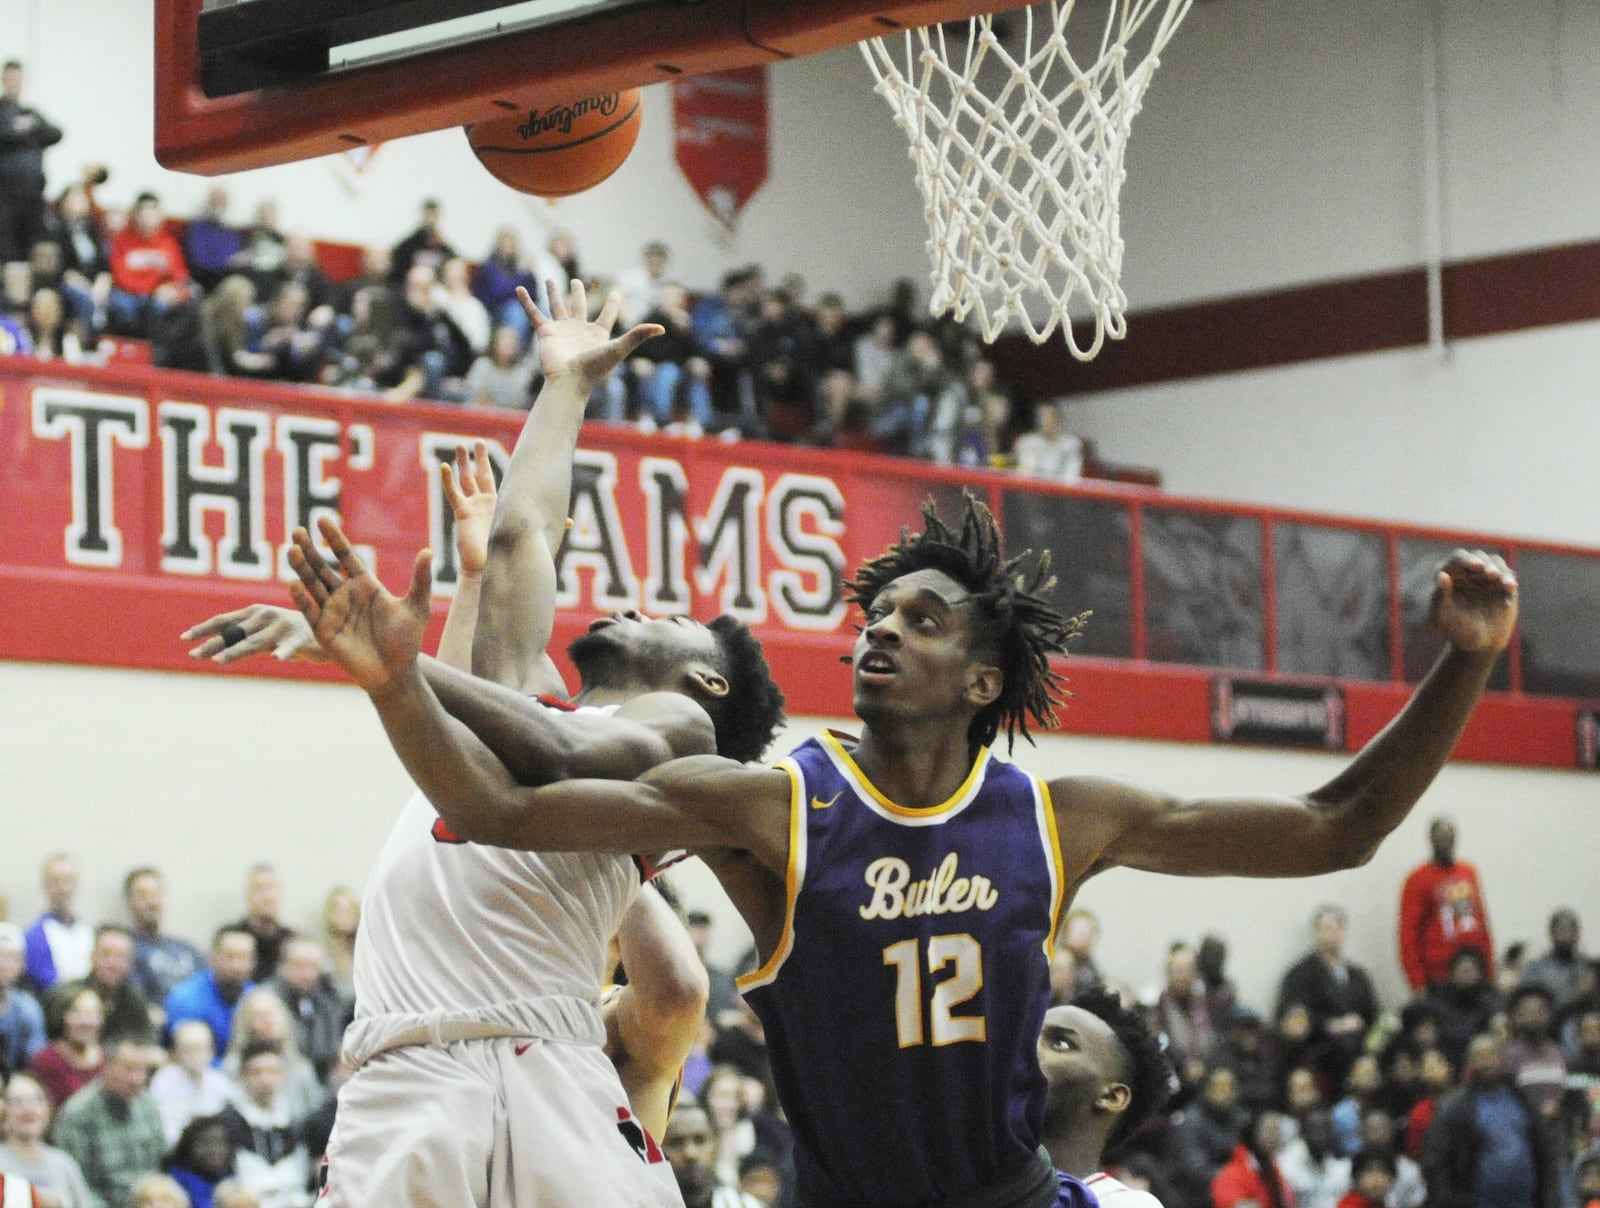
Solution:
(915, 653)
(1078, 1054)
(629, 647)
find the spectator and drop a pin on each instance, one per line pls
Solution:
(202, 1158)
(781, 365)
(341, 919)
(261, 1017)
(558, 262)
(1488, 1146)
(429, 354)
(212, 246)
(1048, 451)
(21, 1016)
(1464, 1003)
(495, 282)
(874, 354)
(300, 268)
(23, 1152)
(58, 943)
(833, 337)
(85, 258)
(211, 993)
(1402, 1081)
(127, 1013)
(761, 1178)
(1442, 911)
(24, 135)
(376, 265)
(1063, 975)
(1337, 992)
(1251, 1178)
(985, 438)
(1204, 1137)
(425, 247)
(229, 330)
(112, 1126)
(1559, 970)
(269, 1149)
(1080, 932)
(503, 377)
(457, 300)
(1302, 1093)
(314, 1004)
(1372, 1173)
(1363, 1090)
(721, 332)
(1582, 1105)
(1312, 1165)
(1243, 1048)
(1378, 1132)
(263, 258)
(160, 961)
(723, 994)
(671, 379)
(189, 1085)
(690, 1147)
(144, 257)
(159, 1191)
(1211, 962)
(641, 284)
(1438, 1077)
(914, 389)
(1534, 1061)
(1183, 1013)
(1588, 1180)
(295, 342)
(263, 896)
(75, 1057)
(52, 335)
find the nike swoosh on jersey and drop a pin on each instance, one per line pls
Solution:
(520, 1049)
(817, 803)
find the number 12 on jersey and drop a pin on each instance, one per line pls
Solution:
(962, 951)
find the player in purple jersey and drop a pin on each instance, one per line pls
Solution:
(1107, 1076)
(956, 645)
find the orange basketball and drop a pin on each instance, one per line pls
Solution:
(560, 149)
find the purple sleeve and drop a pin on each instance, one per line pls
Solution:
(1073, 1194)
(41, 965)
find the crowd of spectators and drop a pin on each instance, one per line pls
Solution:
(423, 321)
(132, 1056)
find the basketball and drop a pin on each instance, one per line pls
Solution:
(560, 149)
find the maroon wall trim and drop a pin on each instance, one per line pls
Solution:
(1538, 288)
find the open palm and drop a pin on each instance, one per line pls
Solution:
(570, 343)
(374, 635)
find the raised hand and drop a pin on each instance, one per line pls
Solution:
(1474, 601)
(571, 345)
(372, 634)
(266, 627)
(470, 489)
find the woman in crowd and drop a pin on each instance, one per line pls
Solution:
(202, 1158)
(341, 917)
(24, 1153)
(73, 1059)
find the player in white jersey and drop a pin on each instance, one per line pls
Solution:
(480, 1076)
(1107, 1076)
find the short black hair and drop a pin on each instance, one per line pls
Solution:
(1371, 1157)
(748, 717)
(1145, 1068)
(11, 65)
(1526, 991)
(145, 196)
(1016, 626)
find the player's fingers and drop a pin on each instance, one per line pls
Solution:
(303, 601)
(635, 336)
(215, 625)
(349, 561)
(579, 304)
(453, 493)
(259, 642)
(482, 467)
(308, 575)
(420, 596)
(535, 315)
(465, 473)
(557, 304)
(607, 317)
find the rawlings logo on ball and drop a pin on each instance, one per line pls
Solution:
(562, 116)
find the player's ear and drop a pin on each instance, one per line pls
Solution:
(1114, 1098)
(707, 681)
(984, 684)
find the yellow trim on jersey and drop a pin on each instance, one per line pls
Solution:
(1048, 808)
(793, 877)
(870, 791)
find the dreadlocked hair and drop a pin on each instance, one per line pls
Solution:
(1145, 1068)
(1015, 625)
(748, 717)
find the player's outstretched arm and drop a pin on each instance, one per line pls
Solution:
(655, 1019)
(519, 585)
(1340, 824)
(469, 489)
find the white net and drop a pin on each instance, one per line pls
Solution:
(1021, 173)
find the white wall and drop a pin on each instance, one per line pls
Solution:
(220, 771)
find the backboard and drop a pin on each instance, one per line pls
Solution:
(248, 83)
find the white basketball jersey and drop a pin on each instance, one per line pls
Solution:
(1114, 1194)
(451, 927)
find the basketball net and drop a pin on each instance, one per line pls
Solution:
(1020, 177)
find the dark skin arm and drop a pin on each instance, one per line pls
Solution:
(1108, 823)
(702, 801)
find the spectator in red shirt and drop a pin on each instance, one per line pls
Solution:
(144, 259)
(1372, 1173)
(1441, 911)
(1251, 1176)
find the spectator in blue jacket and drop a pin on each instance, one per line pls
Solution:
(211, 994)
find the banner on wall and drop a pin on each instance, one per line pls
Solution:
(1302, 715)
(720, 136)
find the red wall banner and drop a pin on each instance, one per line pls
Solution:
(719, 127)
(135, 502)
